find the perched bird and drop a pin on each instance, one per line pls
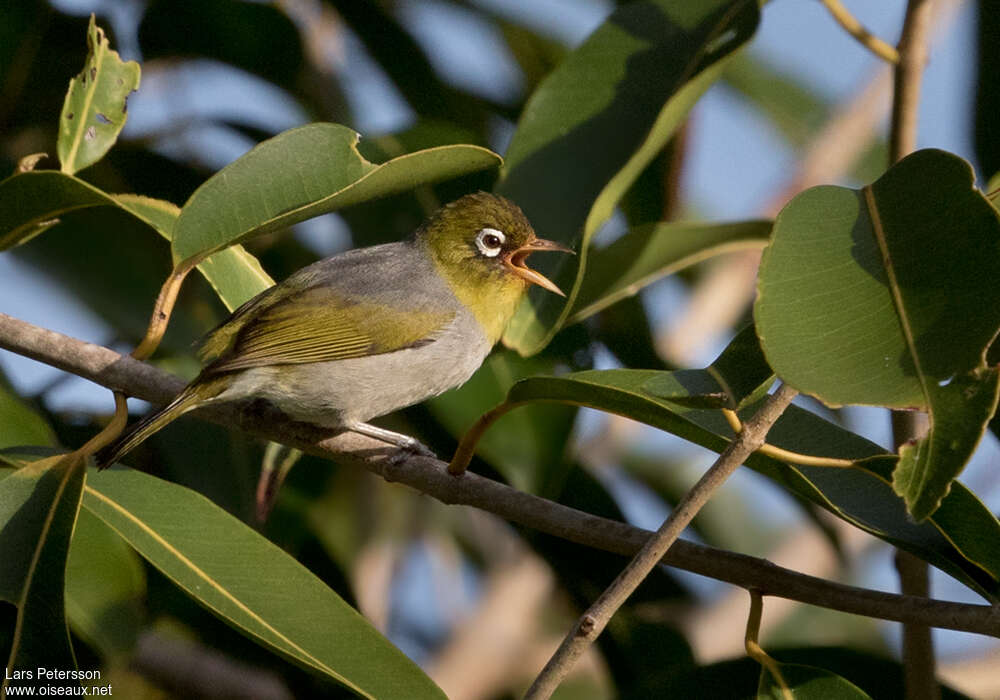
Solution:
(371, 330)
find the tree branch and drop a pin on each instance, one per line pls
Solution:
(914, 574)
(590, 625)
(908, 77)
(108, 368)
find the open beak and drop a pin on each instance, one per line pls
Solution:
(516, 262)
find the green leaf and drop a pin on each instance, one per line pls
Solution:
(38, 507)
(94, 111)
(647, 253)
(34, 201)
(738, 377)
(598, 119)
(960, 412)
(888, 296)
(806, 683)
(962, 538)
(251, 584)
(303, 173)
(235, 274)
(21, 424)
(105, 588)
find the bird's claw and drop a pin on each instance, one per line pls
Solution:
(411, 447)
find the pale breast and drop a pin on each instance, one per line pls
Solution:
(355, 390)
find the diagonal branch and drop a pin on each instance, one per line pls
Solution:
(919, 663)
(597, 616)
(108, 368)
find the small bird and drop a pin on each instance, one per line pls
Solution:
(371, 330)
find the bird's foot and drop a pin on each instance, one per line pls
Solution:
(408, 446)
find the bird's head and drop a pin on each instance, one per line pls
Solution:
(480, 244)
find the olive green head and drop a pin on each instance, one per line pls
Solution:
(480, 243)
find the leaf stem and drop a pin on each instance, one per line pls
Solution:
(853, 27)
(787, 455)
(162, 310)
(594, 620)
(754, 649)
(467, 445)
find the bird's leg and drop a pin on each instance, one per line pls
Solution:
(403, 442)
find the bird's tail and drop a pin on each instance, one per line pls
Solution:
(184, 402)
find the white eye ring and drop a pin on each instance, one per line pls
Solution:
(489, 241)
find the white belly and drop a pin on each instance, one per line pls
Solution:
(341, 392)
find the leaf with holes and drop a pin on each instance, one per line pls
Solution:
(887, 296)
(94, 112)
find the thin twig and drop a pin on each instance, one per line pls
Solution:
(753, 648)
(914, 574)
(113, 370)
(594, 620)
(919, 664)
(853, 27)
(908, 77)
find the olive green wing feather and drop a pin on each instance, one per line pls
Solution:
(316, 324)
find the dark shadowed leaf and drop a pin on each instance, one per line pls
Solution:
(524, 446)
(255, 37)
(738, 377)
(987, 49)
(21, 424)
(738, 679)
(598, 119)
(105, 587)
(38, 507)
(34, 201)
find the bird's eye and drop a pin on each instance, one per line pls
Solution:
(489, 241)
